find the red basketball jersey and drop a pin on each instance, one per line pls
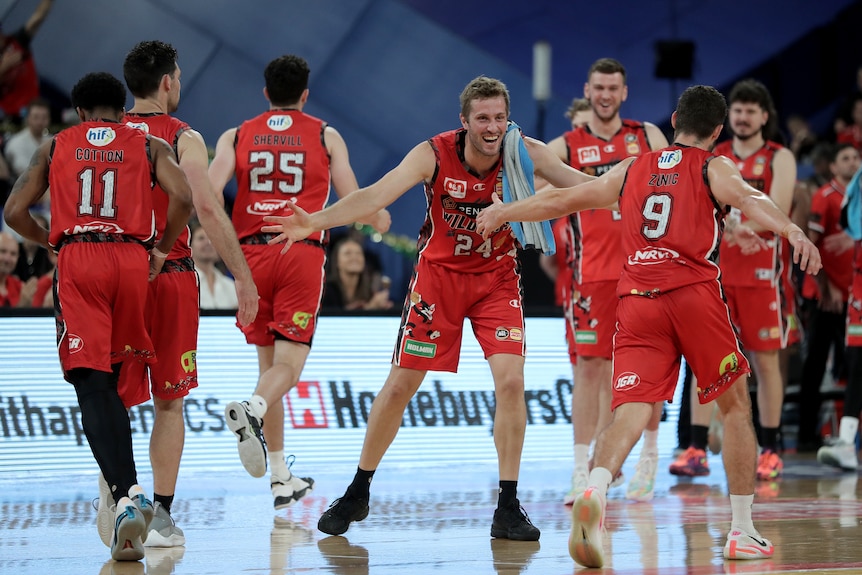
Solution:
(765, 265)
(454, 198)
(280, 156)
(101, 182)
(825, 218)
(596, 233)
(168, 129)
(672, 225)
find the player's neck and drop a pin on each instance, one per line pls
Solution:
(744, 147)
(605, 128)
(149, 105)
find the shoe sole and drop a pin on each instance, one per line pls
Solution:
(361, 516)
(156, 539)
(128, 546)
(284, 502)
(829, 459)
(585, 540)
(636, 496)
(252, 453)
(104, 516)
(687, 473)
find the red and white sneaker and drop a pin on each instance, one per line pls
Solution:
(743, 545)
(588, 522)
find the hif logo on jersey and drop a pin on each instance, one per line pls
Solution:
(669, 159)
(142, 126)
(101, 136)
(279, 123)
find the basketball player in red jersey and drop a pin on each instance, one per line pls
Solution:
(153, 76)
(283, 154)
(757, 287)
(461, 171)
(102, 219)
(673, 203)
(595, 267)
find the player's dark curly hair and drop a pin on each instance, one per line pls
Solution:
(145, 65)
(99, 90)
(286, 79)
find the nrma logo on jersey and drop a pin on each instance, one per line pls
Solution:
(266, 207)
(669, 159)
(101, 136)
(279, 123)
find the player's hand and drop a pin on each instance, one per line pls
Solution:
(838, 243)
(382, 221)
(804, 252)
(748, 240)
(490, 218)
(247, 297)
(291, 228)
(157, 261)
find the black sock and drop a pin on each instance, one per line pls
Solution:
(508, 494)
(165, 500)
(769, 438)
(699, 436)
(361, 486)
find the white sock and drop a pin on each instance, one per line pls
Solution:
(650, 441)
(740, 508)
(582, 455)
(600, 478)
(258, 406)
(277, 465)
(847, 429)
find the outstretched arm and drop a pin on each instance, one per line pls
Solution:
(344, 180)
(728, 187)
(38, 16)
(417, 165)
(601, 192)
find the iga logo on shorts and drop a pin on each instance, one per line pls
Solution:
(455, 188)
(76, 344)
(627, 381)
(279, 123)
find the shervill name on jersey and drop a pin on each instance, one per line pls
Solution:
(277, 140)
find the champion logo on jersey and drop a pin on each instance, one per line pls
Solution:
(101, 136)
(142, 126)
(279, 123)
(669, 159)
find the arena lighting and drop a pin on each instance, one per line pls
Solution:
(541, 83)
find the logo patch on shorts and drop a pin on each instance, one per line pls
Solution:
(510, 333)
(582, 336)
(301, 319)
(75, 342)
(729, 364)
(188, 359)
(627, 381)
(419, 348)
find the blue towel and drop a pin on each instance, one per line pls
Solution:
(851, 207)
(518, 183)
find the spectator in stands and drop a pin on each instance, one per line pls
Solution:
(217, 290)
(33, 259)
(44, 294)
(802, 138)
(351, 285)
(826, 296)
(20, 148)
(852, 134)
(13, 292)
(19, 82)
(844, 117)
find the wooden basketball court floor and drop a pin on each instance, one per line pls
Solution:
(436, 520)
